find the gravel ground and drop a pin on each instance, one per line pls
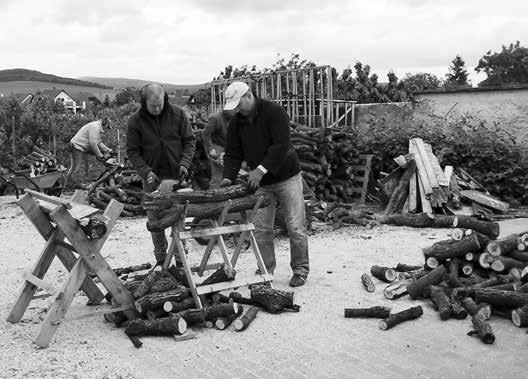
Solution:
(317, 342)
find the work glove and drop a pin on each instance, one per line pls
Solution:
(255, 176)
(183, 172)
(152, 179)
(225, 182)
(213, 153)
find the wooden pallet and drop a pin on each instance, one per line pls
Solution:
(362, 172)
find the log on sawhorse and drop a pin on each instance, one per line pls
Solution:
(44, 211)
(216, 232)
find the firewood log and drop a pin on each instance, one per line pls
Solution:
(457, 309)
(178, 306)
(158, 327)
(191, 316)
(503, 246)
(129, 269)
(147, 282)
(197, 197)
(502, 299)
(238, 298)
(155, 313)
(482, 329)
(473, 309)
(158, 299)
(441, 301)
(384, 274)
(373, 312)
(417, 288)
(503, 264)
(397, 318)
(245, 320)
(519, 316)
(273, 300)
(164, 284)
(467, 268)
(448, 249)
(212, 312)
(367, 283)
(402, 267)
(521, 256)
(222, 274)
(220, 298)
(490, 229)
(395, 290)
(505, 313)
(506, 287)
(454, 267)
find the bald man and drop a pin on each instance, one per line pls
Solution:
(160, 146)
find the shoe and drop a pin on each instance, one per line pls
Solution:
(297, 280)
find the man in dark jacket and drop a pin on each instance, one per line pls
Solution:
(160, 146)
(214, 137)
(259, 134)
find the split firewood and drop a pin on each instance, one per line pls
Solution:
(431, 263)
(222, 323)
(367, 283)
(222, 274)
(273, 300)
(158, 299)
(384, 274)
(417, 288)
(448, 249)
(373, 312)
(482, 330)
(502, 299)
(159, 327)
(245, 320)
(397, 318)
(519, 316)
(395, 290)
(178, 306)
(441, 301)
(117, 318)
(164, 284)
(490, 229)
(505, 313)
(457, 234)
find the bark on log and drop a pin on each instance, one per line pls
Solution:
(238, 298)
(222, 323)
(490, 229)
(96, 227)
(367, 283)
(448, 249)
(454, 267)
(440, 299)
(219, 276)
(158, 299)
(482, 329)
(503, 246)
(178, 306)
(402, 267)
(521, 256)
(501, 299)
(204, 210)
(419, 220)
(129, 269)
(385, 274)
(373, 312)
(397, 318)
(504, 264)
(220, 310)
(164, 284)
(273, 300)
(159, 327)
(151, 201)
(191, 316)
(457, 309)
(155, 314)
(135, 341)
(519, 316)
(502, 312)
(416, 289)
(395, 290)
(146, 283)
(431, 263)
(244, 321)
(481, 310)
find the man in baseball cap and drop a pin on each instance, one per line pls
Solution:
(233, 94)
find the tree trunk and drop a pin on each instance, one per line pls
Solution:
(243, 322)
(441, 301)
(273, 300)
(401, 192)
(159, 327)
(384, 274)
(158, 299)
(520, 316)
(448, 249)
(157, 201)
(501, 299)
(204, 210)
(373, 312)
(367, 283)
(416, 289)
(397, 318)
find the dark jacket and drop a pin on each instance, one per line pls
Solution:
(160, 143)
(215, 131)
(263, 138)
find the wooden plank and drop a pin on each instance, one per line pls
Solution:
(413, 193)
(238, 282)
(426, 204)
(78, 211)
(62, 302)
(98, 312)
(188, 272)
(50, 199)
(215, 231)
(210, 266)
(439, 173)
(448, 172)
(427, 165)
(486, 200)
(422, 173)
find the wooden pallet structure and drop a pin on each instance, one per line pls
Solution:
(363, 176)
(57, 219)
(216, 233)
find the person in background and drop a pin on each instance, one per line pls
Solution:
(85, 143)
(214, 137)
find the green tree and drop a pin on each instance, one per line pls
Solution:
(420, 82)
(125, 96)
(457, 75)
(106, 101)
(510, 66)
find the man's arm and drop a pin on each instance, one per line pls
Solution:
(134, 150)
(279, 125)
(94, 139)
(188, 141)
(233, 156)
(104, 149)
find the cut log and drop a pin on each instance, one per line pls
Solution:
(490, 229)
(384, 274)
(505, 313)
(467, 268)
(481, 310)
(448, 249)
(504, 264)
(367, 283)
(222, 323)
(273, 300)
(158, 299)
(485, 260)
(222, 274)
(519, 316)
(129, 269)
(395, 290)
(482, 330)
(501, 299)
(191, 316)
(503, 246)
(204, 210)
(402, 267)
(441, 301)
(521, 256)
(238, 298)
(212, 312)
(245, 320)
(220, 298)
(457, 234)
(457, 309)
(164, 284)
(147, 282)
(96, 226)
(422, 220)
(159, 327)
(135, 341)
(155, 314)
(454, 267)
(506, 287)
(178, 306)
(373, 312)
(158, 201)
(416, 289)
(397, 318)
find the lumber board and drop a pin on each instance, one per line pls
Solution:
(439, 173)
(220, 230)
(427, 190)
(419, 149)
(486, 200)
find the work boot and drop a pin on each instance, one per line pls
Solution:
(297, 280)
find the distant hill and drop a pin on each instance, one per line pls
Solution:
(26, 87)
(21, 74)
(137, 83)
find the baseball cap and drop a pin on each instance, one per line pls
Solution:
(233, 93)
(105, 121)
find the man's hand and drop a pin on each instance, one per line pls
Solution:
(101, 158)
(213, 153)
(255, 176)
(167, 185)
(107, 155)
(225, 182)
(152, 178)
(183, 172)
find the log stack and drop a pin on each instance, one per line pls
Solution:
(40, 162)
(332, 166)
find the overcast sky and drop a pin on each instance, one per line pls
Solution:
(187, 42)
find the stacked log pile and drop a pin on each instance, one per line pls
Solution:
(332, 166)
(165, 307)
(471, 274)
(40, 162)
(420, 185)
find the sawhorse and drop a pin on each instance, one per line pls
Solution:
(217, 231)
(64, 215)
